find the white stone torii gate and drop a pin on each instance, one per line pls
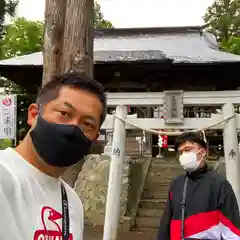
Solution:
(225, 99)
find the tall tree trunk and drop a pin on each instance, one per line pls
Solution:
(78, 39)
(53, 38)
(68, 38)
(68, 45)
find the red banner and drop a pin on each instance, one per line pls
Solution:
(165, 141)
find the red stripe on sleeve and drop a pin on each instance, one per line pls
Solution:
(194, 224)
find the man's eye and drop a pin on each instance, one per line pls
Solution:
(88, 125)
(63, 113)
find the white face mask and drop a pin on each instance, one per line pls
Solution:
(189, 161)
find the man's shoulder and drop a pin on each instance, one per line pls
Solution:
(8, 179)
(216, 177)
(178, 178)
(212, 176)
(219, 182)
(6, 158)
(5, 167)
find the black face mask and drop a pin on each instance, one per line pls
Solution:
(59, 145)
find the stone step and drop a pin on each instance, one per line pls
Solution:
(161, 187)
(165, 170)
(147, 222)
(156, 175)
(160, 184)
(165, 165)
(167, 160)
(145, 212)
(159, 180)
(153, 194)
(163, 175)
(152, 203)
(132, 148)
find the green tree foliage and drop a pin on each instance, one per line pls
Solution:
(223, 19)
(24, 37)
(99, 21)
(232, 45)
(7, 8)
(21, 38)
(5, 143)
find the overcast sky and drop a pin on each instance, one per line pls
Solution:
(136, 13)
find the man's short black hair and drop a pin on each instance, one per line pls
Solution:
(190, 137)
(50, 90)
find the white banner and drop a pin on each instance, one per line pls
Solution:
(8, 116)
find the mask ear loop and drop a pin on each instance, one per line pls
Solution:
(39, 110)
(205, 140)
(40, 107)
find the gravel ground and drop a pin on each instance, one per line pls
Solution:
(97, 233)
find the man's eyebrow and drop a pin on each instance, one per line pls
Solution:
(69, 105)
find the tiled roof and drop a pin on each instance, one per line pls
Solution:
(188, 46)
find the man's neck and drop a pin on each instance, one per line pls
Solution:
(26, 150)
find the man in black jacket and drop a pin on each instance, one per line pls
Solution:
(209, 209)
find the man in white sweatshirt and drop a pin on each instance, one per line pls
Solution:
(35, 203)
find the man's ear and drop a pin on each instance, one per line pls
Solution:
(204, 152)
(32, 114)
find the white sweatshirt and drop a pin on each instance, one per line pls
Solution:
(31, 203)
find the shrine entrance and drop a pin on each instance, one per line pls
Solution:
(213, 113)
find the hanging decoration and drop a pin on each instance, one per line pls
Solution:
(160, 141)
(165, 141)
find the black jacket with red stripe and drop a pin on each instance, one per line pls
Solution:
(211, 208)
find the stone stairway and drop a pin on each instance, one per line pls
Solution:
(132, 147)
(155, 192)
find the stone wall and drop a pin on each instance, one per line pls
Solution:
(91, 181)
(91, 186)
(71, 174)
(138, 174)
